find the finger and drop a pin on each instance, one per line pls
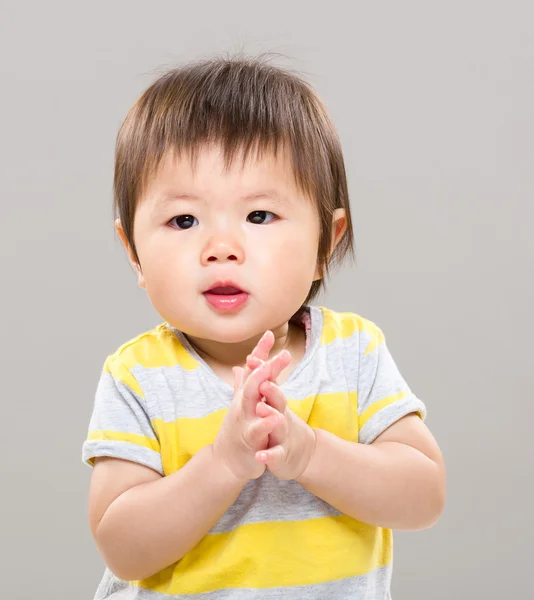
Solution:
(266, 370)
(261, 428)
(273, 457)
(264, 346)
(279, 363)
(260, 352)
(264, 410)
(247, 370)
(279, 434)
(273, 395)
(253, 362)
(238, 373)
(262, 349)
(250, 386)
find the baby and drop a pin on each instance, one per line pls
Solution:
(252, 445)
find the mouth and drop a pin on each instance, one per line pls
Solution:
(226, 296)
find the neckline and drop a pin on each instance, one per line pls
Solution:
(316, 329)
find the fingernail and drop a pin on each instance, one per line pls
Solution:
(263, 455)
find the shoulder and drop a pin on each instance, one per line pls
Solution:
(150, 350)
(350, 325)
(158, 347)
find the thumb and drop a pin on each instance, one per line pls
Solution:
(272, 457)
(238, 377)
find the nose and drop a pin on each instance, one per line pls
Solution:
(222, 250)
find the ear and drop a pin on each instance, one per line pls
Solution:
(120, 232)
(339, 226)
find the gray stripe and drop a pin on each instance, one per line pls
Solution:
(373, 586)
(385, 417)
(172, 392)
(125, 450)
(379, 378)
(119, 408)
(268, 499)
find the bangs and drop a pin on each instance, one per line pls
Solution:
(246, 107)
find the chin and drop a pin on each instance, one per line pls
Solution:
(231, 333)
(218, 329)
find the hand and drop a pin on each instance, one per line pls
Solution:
(292, 442)
(243, 432)
(255, 360)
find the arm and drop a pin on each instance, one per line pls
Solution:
(397, 482)
(140, 520)
(143, 522)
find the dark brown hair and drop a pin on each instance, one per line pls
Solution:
(244, 104)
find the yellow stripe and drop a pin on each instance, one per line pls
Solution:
(121, 373)
(120, 436)
(156, 348)
(258, 555)
(378, 405)
(336, 412)
(159, 347)
(183, 438)
(344, 324)
(377, 338)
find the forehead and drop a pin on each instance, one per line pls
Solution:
(207, 172)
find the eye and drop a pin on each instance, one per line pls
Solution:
(258, 217)
(184, 221)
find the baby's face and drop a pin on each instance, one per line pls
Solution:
(250, 228)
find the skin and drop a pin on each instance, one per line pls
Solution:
(273, 259)
(398, 481)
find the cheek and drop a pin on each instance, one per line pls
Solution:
(170, 285)
(166, 268)
(295, 253)
(305, 239)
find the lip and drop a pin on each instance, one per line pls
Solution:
(224, 283)
(226, 302)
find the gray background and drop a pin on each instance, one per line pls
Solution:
(434, 105)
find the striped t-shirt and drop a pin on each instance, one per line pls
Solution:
(158, 403)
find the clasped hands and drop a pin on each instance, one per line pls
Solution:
(259, 431)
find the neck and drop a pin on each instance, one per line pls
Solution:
(232, 355)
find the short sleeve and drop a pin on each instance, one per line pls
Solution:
(120, 426)
(383, 395)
